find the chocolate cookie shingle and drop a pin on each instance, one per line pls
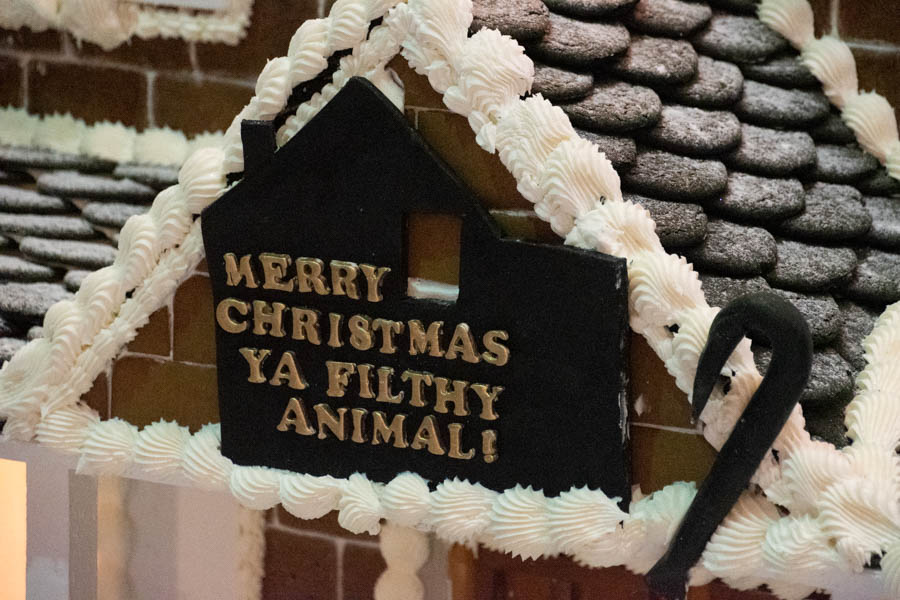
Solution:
(843, 164)
(90, 255)
(738, 39)
(784, 71)
(73, 279)
(877, 278)
(18, 200)
(557, 84)
(677, 224)
(672, 18)
(30, 300)
(156, 176)
(717, 84)
(519, 19)
(820, 311)
(51, 226)
(579, 43)
(720, 290)
(856, 323)
(16, 157)
(694, 131)
(619, 149)
(111, 214)
(8, 347)
(832, 130)
(772, 106)
(615, 107)
(827, 423)
(732, 249)
(746, 7)
(830, 380)
(885, 213)
(663, 175)
(754, 198)
(13, 268)
(72, 184)
(832, 213)
(656, 61)
(773, 153)
(807, 268)
(587, 8)
(878, 183)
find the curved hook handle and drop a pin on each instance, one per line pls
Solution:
(758, 315)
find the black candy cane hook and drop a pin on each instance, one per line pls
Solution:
(758, 315)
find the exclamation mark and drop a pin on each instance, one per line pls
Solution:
(489, 445)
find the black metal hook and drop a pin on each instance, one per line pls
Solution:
(758, 315)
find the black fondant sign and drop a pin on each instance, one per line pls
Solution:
(328, 366)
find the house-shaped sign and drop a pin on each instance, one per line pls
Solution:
(328, 366)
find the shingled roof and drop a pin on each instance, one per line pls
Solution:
(726, 138)
(60, 215)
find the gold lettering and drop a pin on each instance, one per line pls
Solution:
(275, 268)
(226, 322)
(359, 426)
(234, 273)
(305, 325)
(496, 354)
(489, 445)
(287, 371)
(374, 278)
(338, 377)
(487, 397)
(457, 397)
(382, 432)
(388, 330)
(329, 420)
(385, 374)
(299, 420)
(360, 332)
(365, 380)
(334, 330)
(462, 342)
(268, 314)
(417, 379)
(422, 342)
(255, 359)
(427, 437)
(309, 276)
(343, 279)
(455, 443)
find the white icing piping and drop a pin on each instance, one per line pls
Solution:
(868, 114)
(405, 551)
(566, 179)
(109, 23)
(109, 141)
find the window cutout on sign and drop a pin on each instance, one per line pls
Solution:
(432, 255)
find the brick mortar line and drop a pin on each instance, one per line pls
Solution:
(318, 535)
(60, 58)
(669, 428)
(873, 46)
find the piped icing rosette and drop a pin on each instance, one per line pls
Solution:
(360, 510)
(110, 141)
(68, 428)
(519, 523)
(161, 146)
(160, 448)
(255, 487)
(735, 551)
(461, 510)
(652, 523)
(406, 499)
(580, 519)
(308, 496)
(109, 448)
(202, 461)
(58, 132)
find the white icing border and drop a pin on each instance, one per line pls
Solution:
(105, 140)
(109, 23)
(843, 503)
(868, 114)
